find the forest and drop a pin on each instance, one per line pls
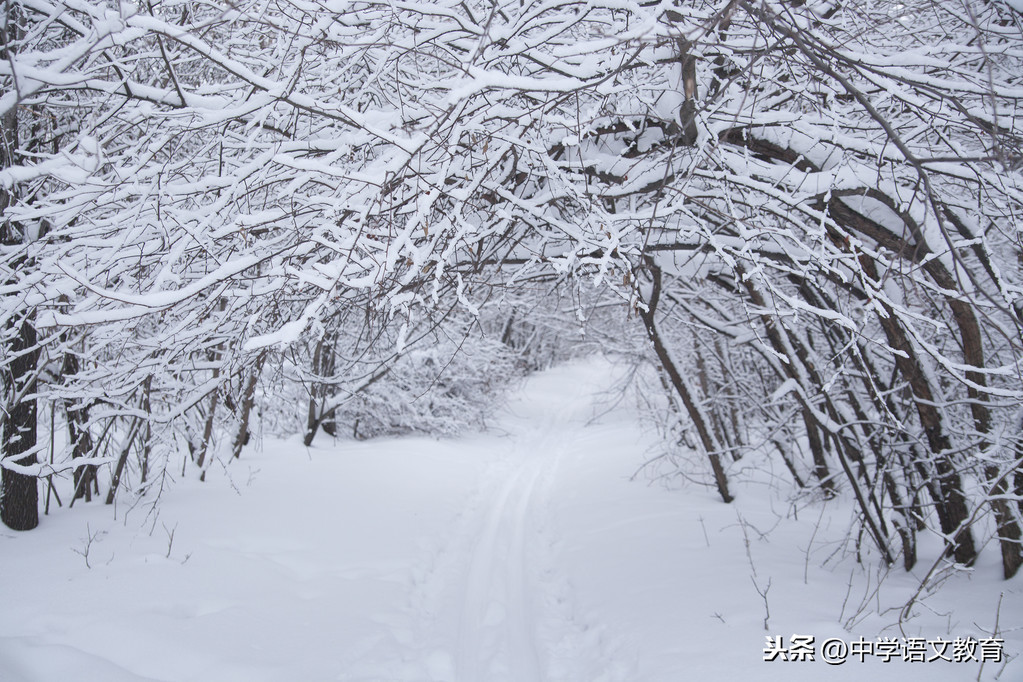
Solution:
(800, 222)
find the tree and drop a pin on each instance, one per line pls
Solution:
(19, 496)
(823, 196)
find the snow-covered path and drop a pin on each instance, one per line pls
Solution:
(497, 626)
(515, 609)
(525, 554)
(494, 604)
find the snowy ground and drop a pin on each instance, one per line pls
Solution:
(520, 555)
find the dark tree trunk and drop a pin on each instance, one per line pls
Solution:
(1009, 535)
(241, 438)
(1017, 478)
(682, 387)
(19, 507)
(801, 368)
(207, 433)
(1009, 531)
(685, 57)
(789, 464)
(216, 355)
(323, 367)
(314, 416)
(19, 495)
(783, 346)
(78, 430)
(122, 459)
(328, 367)
(147, 430)
(950, 502)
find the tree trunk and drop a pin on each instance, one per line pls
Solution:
(951, 506)
(19, 494)
(323, 367)
(19, 507)
(682, 388)
(78, 429)
(801, 368)
(1009, 531)
(122, 459)
(1009, 535)
(328, 367)
(313, 415)
(783, 346)
(207, 434)
(687, 61)
(241, 438)
(147, 429)
(216, 355)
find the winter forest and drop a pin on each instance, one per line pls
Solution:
(785, 237)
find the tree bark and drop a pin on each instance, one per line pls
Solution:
(19, 494)
(122, 459)
(78, 430)
(687, 61)
(323, 367)
(241, 438)
(19, 507)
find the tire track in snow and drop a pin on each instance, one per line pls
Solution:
(517, 619)
(492, 603)
(496, 639)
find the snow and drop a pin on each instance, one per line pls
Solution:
(526, 553)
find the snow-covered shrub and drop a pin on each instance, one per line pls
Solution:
(438, 388)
